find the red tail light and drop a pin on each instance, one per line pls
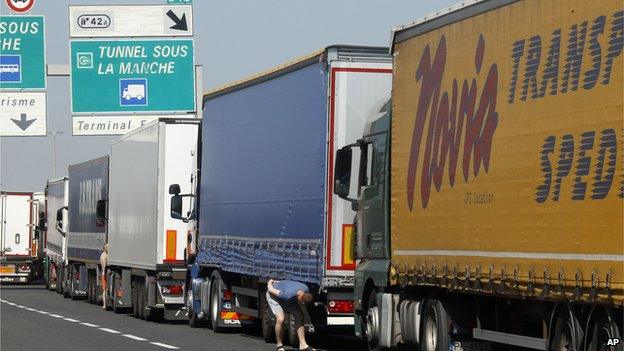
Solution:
(227, 295)
(172, 289)
(340, 306)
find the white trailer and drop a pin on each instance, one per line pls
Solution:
(146, 245)
(55, 248)
(19, 260)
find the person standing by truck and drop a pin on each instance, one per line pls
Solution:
(288, 296)
(103, 263)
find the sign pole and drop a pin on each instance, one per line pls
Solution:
(199, 95)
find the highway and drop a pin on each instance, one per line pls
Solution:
(33, 318)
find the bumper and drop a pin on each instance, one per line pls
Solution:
(18, 278)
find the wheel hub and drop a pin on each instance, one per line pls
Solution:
(372, 325)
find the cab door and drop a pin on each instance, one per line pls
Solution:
(372, 231)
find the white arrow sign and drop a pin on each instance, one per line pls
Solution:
(22, 113)
(130, 21)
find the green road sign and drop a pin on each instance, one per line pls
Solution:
(22, 52)
(115, 76)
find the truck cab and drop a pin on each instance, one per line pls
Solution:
(367, 189)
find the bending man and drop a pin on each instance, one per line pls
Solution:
(288, 296)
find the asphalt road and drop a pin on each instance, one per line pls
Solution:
(32, 318)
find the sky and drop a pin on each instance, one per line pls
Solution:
(233, 39)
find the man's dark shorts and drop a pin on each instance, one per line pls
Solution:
(291, 307)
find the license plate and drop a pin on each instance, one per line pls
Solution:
(7, 269)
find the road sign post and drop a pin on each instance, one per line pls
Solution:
(22, 52)
(121, 76)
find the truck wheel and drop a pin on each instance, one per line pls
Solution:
(568, 334)
(293, 339)
(372, 322)
(134, 299)
(435, 335)
(268, 330)
(91, 288)
(64, 283)
(215, 305)
(140, 300)
(194, 321)
(602, 329)
(72, 291)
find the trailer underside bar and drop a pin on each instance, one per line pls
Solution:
(510, 339)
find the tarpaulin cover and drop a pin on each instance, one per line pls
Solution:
(88, 183)
(263, 170)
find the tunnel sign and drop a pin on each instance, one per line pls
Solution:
(22, 52)
(120, 76)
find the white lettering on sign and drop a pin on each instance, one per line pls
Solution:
(19, 28)
(111, 125)
(138, 51)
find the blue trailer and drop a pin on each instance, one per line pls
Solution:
(86, 235)
(263, 206)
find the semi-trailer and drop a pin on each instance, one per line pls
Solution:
(86, 233)
(489, 193)
(146, 270)
(262, 206)
(20, 257)
(55, 247)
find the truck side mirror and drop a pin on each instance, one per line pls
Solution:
(174, 189)
(42, 222)
(176, 205)
(342, 172)
(100, 213)
(59, 220)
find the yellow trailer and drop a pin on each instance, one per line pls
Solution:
(507, 152)
(490, 189)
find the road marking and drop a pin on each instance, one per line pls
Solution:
(164, 345)
(112, 331)
(133, 337)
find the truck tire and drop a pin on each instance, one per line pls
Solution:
(141, 300)
(134, 299)
(72, 291)
(268, 329)
(292, 337)
(371, 322)
(567, 333)
(91, 287)
(601, 329)
(435, 333)
(215, 305)
(194, 321)
(64, 283)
